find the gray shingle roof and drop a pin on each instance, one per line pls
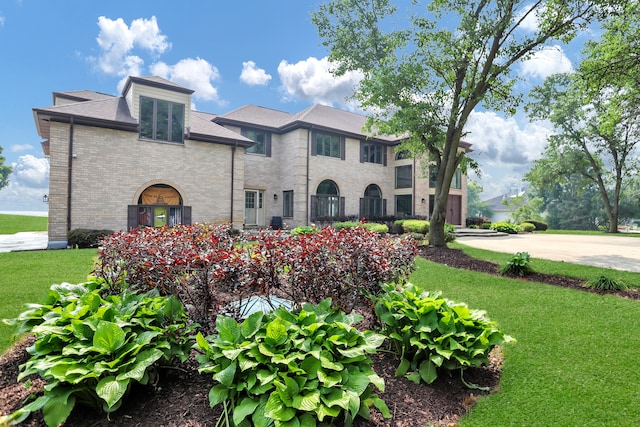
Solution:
(258, 116)
(317, 115)
(202, 126)
(82, 95)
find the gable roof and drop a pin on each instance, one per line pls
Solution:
(81, 95)
(155, 81)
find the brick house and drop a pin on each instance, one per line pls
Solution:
(146, 159)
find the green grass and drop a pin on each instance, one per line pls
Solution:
(26, 276)
(574, 362)
(554, 267)
(12, 224)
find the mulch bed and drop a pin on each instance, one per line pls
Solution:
(180, 397)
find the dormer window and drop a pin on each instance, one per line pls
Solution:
(161, 120)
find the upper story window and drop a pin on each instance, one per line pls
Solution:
(456, 181)
(262, 142)
(403, 155)
(404, 176)
(371, 152)
(161, 120)
(329, 145)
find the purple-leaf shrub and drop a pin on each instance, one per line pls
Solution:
(207, 266)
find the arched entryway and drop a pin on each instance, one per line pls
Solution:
(372, 204)
(158, 205)
(327, 203)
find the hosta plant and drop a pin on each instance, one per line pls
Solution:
(518, 265)
(90, 347)
(431, 333)
(303, 368)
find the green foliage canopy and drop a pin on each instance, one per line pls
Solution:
(5, 171)
(425, 80)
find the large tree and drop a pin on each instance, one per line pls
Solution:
(5, 171)
(425, 80)
(597, 137)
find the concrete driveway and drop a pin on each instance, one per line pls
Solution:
(619, 252)
(24, 241)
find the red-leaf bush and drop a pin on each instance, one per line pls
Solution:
(208, 266)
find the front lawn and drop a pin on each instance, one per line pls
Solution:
(574, 363)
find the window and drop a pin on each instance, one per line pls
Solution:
(327, 145)
(402, 155)
(287, 204)
(372, 153)
(372, 202)
(327, 199)
(456, 181)
(404, 176)
(262, 142)
(404, 205)
(161, 120)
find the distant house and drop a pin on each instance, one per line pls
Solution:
(497, 204)
(146, 159)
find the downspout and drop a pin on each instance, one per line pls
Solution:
(413, 188)
(69, 175)
(308, 219)
(233, 170)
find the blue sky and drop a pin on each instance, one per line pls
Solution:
(231, 53)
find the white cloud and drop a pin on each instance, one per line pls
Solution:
(312, 80)
(196, 74)
(531, 20)
(504, 148)
(2, 18)
(253, 75)
(16, 148)
(117, 41)
(545, 62)
(28, 182)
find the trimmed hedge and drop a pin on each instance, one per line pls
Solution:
(85, 238)
(540, 225)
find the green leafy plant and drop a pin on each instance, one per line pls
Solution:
(304, 229)
(518, 265)
(605, 283)
(527, 227)
(292, 368)
(431, 333)
(505, 227)
(91, 348)
(416, 226)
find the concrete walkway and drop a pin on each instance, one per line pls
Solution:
(619, 252)
(25, 241)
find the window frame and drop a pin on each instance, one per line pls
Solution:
(335, 142)
(399, 197)
(373, 152)
(408, 178)
(287, 204)
(161, 123)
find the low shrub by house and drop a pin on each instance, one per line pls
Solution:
(527, 227)
(540, 225)
(371, 226)
(85, 238)
(505, 227)
(416, 226)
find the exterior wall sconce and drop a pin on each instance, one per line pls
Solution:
(275, 196)
(423, 200)
(45, 198)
